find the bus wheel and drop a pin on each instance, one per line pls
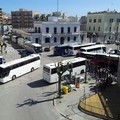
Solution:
(13, 77)
(82, 71)
(32, 69)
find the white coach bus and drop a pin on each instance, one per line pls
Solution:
(16, 68)
(74, 49)
(33, 47)
(100, 48)
(50, 70)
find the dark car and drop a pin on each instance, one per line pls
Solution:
(46, 49)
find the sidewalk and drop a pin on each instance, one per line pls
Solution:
(68, 105)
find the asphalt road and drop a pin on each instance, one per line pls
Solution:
(29, 97)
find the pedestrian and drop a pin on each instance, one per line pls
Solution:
(1, 48)
(5, 48)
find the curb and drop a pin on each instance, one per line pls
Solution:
(65, 116)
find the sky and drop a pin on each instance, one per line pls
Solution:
(70, 7)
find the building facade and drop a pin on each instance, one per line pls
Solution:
(0, 16)
(22, 18)
(103, 22)
(55, 33)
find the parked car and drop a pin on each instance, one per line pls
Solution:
(110, 42)
(47, 49)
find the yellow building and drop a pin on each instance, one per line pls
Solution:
(103, 22)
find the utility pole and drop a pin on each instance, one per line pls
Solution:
(70, 69)
(86, 72)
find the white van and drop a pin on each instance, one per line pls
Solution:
(2, 60)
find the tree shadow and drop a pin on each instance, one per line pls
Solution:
(30, 102)
(52, 55)
(46, 94)
(38, 83)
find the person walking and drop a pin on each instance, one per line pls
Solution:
(5, 47)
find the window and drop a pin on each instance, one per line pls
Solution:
(53, 70)
(111, 20)
(99, 20)
(36, 29)
(68, 29)
(68, 39)
(118, 20)
(47, 30)
(55, 30)
(89, 28)
(46, 70)
(39, 31)
(93, 28)
(90, 20)
(47, 40)
(62, 30)
(94, 20)
(55, 39)
(78, 64)
(117, 29)
(75, 29)
(109, 29)
(98, 28)
(74, 38)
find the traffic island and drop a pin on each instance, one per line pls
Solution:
(95, 104)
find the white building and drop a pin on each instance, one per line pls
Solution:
(56, 31)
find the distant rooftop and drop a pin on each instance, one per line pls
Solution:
(102, 12)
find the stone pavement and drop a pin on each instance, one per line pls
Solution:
(67, 106)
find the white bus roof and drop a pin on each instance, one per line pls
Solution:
(36, 44)
(93, 46)
(18, 60)
(106, 54)
(52, 65)
(80, 45)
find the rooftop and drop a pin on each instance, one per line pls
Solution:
(104, 12)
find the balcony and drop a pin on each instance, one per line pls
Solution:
(46, 34)
(75, 33)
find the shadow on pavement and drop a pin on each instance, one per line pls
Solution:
(46, 94)
(38, 83)
(112, 95)
(31, 102)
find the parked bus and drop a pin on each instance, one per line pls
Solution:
(33, 47)
(74, 49)
(50, 70)
(100, 48)
(70, 48)
(13, 69)
(60, 49)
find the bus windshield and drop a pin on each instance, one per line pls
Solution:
(4, 72)
(38, 49)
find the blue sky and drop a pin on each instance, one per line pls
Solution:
(71, 7)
